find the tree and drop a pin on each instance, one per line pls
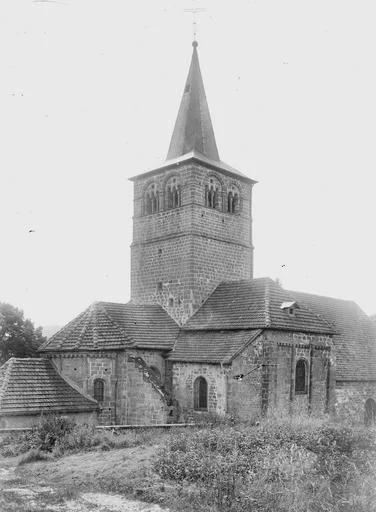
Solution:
(18, 336)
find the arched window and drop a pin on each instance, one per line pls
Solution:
(99, 390)
(173, 193)
(156, 372)
(301, 377)
(200, 394)
(233, 200)
(370, 412)
(213, 194)
(151, 200)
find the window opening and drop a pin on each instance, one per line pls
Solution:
(200, 394)
(300, 377)
(99, 390)
(370, 412)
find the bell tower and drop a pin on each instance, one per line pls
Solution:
(192, 224)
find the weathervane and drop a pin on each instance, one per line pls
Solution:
(194, 13)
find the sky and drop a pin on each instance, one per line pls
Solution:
(89, 93)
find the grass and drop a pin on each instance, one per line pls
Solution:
(280, 465)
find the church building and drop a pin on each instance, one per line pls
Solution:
(200, 334)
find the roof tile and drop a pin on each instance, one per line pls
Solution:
(32, 386)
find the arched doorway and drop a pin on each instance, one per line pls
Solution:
(370, 412)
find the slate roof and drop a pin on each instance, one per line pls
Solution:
(211, 346)
(193, 128)
(33, 386)
(355, 341)
(112, 326)
(254, 304)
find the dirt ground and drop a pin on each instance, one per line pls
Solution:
(111, 481)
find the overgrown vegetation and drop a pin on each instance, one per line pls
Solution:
(277, 467)
(59, 435)
(280, 465)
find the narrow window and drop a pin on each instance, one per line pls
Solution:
(300, 377)
(230, 203)
(159, 286)
(99, 390)
(370, 412)
(152, 200)
(148, 206)
(200, 394)
(170, 302)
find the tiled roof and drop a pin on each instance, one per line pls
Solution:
(356, 339)
(211, 346)
(111, 326)
(254, 304)
(33, 386)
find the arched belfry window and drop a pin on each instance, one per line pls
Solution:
(173, 193)
(99, 390)
(370, 412)
(301, 377)
(151, 199)
(233, 200)
(200, 394)
(213, 194)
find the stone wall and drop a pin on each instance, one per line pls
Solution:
(82, 368)
(144, 404)
(283, 350)
(183, 376)
(179, 256)
(129, 398)
(351, 397)
(245, 394)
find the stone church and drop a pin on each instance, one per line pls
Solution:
(200, 335)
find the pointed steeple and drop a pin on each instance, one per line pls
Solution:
(193, 127)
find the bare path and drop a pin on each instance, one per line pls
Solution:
(68, 484)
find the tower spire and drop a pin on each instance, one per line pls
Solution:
(193, 129)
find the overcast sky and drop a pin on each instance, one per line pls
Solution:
(89, 92)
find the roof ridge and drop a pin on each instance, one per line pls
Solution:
(44, 345)
(325, 297)
(115, 323)
(313, 312)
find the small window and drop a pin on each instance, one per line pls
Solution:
(301, 377)
(156, 372)
(159, 286)
(213, 194)
(370, 412)
(172, 193)
(170, 302)
(233, 200)
(152, 200)
(200, 394)
(99, 390)
(291, 311)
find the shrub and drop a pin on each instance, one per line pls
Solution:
(282, 466)
(33, 455)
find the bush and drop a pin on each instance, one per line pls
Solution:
(33, 455)
(283, 466)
